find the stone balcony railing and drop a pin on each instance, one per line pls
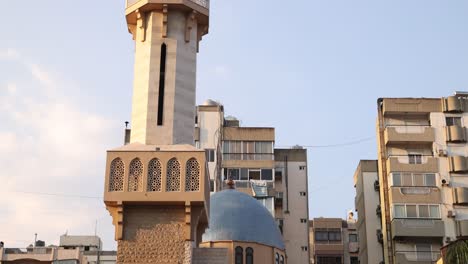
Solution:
(202, 3)
(141, 176)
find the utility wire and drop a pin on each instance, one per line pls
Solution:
(335, 145)
(58, 194)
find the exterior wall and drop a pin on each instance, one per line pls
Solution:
(179, 93)
(262, 254)
(153, 235)
(294, 205)
(422, 128)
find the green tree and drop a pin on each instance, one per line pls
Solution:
(457, 252)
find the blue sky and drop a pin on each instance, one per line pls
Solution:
(311, 69)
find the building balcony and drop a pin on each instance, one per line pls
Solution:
(353, 247)
(417, 228)
(328, 247)
(453, 104)
(402, 163)
(455, 134)
(415, 195)
(414, 257)
(202, 3)
(458, 164)
(461, 227)
(409, 134)
(153, 175)
(460, 195)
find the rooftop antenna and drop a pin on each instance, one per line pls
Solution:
(35, 239)
(95, 228)
(126, 124)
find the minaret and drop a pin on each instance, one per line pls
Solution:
(157, 186)
(167, 35)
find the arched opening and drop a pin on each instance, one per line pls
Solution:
(135, 176)
(239, 255)
(249, 259)
(276, 258)
(173, 176)
(192, 176)
(154, 176)
(282, 259)
(116, 175)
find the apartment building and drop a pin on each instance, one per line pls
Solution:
(71, 250)
(275, 177)
(367, 204)
(333, 241)
(423, 175)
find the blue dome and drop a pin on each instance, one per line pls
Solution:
(236, 216)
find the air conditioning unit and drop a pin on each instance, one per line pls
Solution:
(379, 236)
(442, 153)
(378, 211)
(377, 186)
(451, 213)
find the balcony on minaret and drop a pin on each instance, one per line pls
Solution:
(153, 175)
(200, 6)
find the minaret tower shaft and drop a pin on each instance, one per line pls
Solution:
(167, 35)
(157, 186)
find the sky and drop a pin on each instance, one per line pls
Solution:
(313, 69)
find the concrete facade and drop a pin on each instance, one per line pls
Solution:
(333, 241)
(422, 175)
(368, 208)
(72, 249)
(276, 177)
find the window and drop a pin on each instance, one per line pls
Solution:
(414, 179)
(247, 150)
(423, 252)
(321, 236)
(304, 248)
(249, 259)
(162, 79)
(239, 255)
(415, 158)
(334, 235)
(303, 220)
(302, 167)
(353, 238)
(303, 193)
(254, 174)
(282, 259)
(276, 258)
(328, 260)
(244, 176)
(453, 121)
(267, 174)
(430, 211)
(353, 260)
(232, 174)
(210, 155)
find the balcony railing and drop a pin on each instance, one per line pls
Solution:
(248, 156)
(202, 3)
(418, 256)
(247, 184)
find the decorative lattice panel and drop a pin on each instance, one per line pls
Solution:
(116, 177)
(192, 176)
(173, 176)
(135, 176)
(154, 176)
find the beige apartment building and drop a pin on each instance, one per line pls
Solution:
(275, 177)
(333, 241)
(71, 250)
(423, 175)
(367, 204)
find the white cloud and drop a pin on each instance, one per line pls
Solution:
(9, 54)
(49, 144)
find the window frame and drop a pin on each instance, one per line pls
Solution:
(417, 208)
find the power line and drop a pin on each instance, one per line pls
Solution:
(58, 194)
(336, 145)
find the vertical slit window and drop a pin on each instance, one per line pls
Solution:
(239, 256)
(162, 84)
